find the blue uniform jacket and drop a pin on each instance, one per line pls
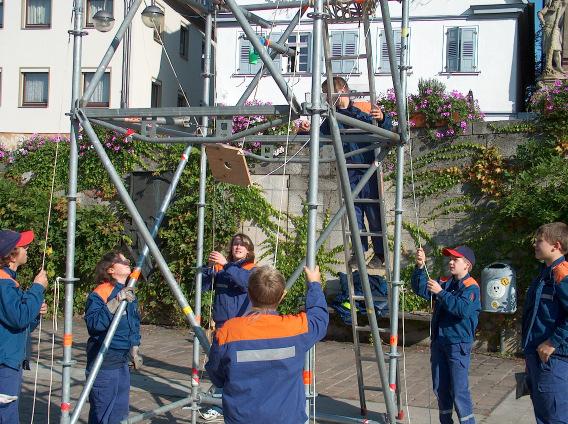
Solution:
(258, 360)
(231, 289)
(19, 315)
(98, 319)
(456, 307)
(545, 315)
(356, 113)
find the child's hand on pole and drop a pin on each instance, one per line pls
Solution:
(313, 275)
(217, 258)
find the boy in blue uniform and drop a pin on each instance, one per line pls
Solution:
(454, 320)
(371, 211)
(109, 397)
(19, 315)
(258, 358)
(545, 327)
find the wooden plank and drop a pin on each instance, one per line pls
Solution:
(228, 164)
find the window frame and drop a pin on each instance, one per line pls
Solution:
(1, 14)
(379, 70)
(26, 25)
(181, 97)
(84, 85)
(474, 57)
(88, 22)
(23, 73)
(354, 69)
(184, 41)
(286, 65)
(156, 83)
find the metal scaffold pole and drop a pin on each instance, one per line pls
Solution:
(316, 109)
(404, 135)
(201, 211)
(70, 279)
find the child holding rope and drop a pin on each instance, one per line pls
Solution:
(19, 315)
(229, 278)
(454, 320)
(231, 275)
(258, 358)
(109, 397)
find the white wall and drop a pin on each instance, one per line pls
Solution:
(494, 86)
(52, 48)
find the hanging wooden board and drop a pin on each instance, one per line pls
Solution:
(228, 164)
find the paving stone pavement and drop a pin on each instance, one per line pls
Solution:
(167, 356)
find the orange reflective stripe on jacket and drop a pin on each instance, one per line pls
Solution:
(5, 276)
(104, 290)
(246, 265)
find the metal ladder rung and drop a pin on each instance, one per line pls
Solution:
(358, 166)
(367, 328)
(375, 298)
(366, 201)
(373, 388)
(367, 233)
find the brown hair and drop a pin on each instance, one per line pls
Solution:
(5, 261)
(554, 232)
(266, 287)
(101, 269)
(339, 83)
(247, 242)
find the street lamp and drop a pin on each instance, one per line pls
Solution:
(103, 21)
(153, 17)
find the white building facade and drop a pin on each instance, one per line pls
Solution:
(479, 45)
(36, 63)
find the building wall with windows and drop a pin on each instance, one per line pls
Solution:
(478, 45)
(36, 63)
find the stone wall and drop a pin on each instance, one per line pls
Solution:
(287, 192)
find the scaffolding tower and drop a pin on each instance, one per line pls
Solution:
(322, 13)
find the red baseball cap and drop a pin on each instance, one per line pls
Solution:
(460, 252)
(10, 239)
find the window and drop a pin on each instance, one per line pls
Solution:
(245, 49)
(302, 43)
(183, 41)
(384, 64)
(35, 89)
(202, 54)
(344, 43)
(0, 84)
(461, 49)
(38, 13)
(181, 100)
(93, 6)
(156, 95)
(101, 95)
(1, 13)
(159, 30)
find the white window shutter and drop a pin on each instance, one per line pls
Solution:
(384, 64)
(350, 47)
(336, 50)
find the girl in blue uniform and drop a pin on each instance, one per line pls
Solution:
(109, 397)
(229, 276)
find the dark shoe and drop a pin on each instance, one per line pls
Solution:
(352, 261)
(376, 262)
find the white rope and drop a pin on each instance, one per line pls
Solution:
(42, 267)
(54, 331)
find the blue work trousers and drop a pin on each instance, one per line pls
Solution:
(109, 396)
(549, 389)
(450, 366)
(10, 384)
(369, 210)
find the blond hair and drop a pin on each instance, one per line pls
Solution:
(266, 287)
